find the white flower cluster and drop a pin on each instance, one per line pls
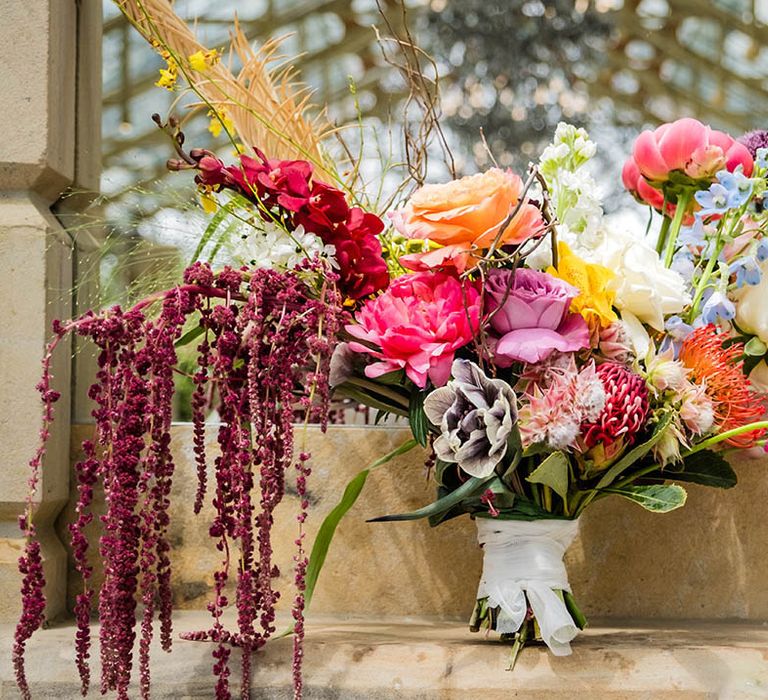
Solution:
(573, 190)
(271, 246)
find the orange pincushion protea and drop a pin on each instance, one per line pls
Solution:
(719, 370)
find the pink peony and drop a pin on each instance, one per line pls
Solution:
(534, 319)
(418, 324)
(687, 147)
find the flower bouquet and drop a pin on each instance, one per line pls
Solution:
(549, 358)
(546, 356)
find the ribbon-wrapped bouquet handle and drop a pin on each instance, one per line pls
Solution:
(524, 579)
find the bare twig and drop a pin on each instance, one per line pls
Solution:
(423, 93)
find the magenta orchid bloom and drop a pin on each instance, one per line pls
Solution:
(418, 323)
(534, 319)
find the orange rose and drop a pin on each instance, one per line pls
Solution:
(463, 218)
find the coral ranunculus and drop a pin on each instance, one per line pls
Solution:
(686, 146)
(417, 324)
(465, 216)
(534, 319)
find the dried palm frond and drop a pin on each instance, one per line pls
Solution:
(268, 109)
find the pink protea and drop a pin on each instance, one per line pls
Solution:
(626, 407)
(417, 325)
(554, 409)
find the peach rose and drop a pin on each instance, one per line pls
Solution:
(463, 218)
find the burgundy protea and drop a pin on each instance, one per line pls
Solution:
(626, 407)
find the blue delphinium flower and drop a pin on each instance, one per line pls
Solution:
(677, 328)
(761, 253)
(684, 265)
(747, 271)
(718, 306)
(761, 158)
(739, 186)
(718, 199)
(693, 235)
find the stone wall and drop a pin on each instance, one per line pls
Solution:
(706, 560)
(50, 109)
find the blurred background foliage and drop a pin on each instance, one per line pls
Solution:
(511, 68)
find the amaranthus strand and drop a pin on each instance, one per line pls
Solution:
(264, 338)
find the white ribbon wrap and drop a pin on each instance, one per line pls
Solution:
(527, 557)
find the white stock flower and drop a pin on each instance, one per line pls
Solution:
(273, 247)
(573, 192)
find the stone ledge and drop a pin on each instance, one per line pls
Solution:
(431, 660)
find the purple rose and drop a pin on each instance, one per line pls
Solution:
(534, 319)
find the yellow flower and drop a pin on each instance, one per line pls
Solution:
(201, 61)
(219, 121)
(208, 202)
(595, 303)
(168, 75)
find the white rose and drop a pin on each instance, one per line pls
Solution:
(751, 306)
(643, 286)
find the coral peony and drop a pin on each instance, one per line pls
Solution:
(534, 319)
(465, 216)
(417, 325)
(686, 147)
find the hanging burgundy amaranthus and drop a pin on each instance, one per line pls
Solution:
(267, 337)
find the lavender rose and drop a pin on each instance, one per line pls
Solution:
(533, 320)
(476, 416)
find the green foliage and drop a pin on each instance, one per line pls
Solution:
(706, 468)
(442, 505)
(328, 527)
(552, 472)
(636, 453)
(657, 498)
(417, 419)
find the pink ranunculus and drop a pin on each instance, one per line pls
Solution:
(417, 324)
(685, 146)
(534, 319)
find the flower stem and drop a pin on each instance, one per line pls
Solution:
(665, 222)
(734, 432)
(682, 207)
(702, 284)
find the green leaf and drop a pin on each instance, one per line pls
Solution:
(706, 468)
(504, 499)
(658, 498)
(417, 418)
(440, 468)
(354, 392)
(536, 449)
(636, 453)
(331, 522)
(395, 378)
(755, 347)
(441, 505)
(189, 336)
(210, 229)
(552, 472)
